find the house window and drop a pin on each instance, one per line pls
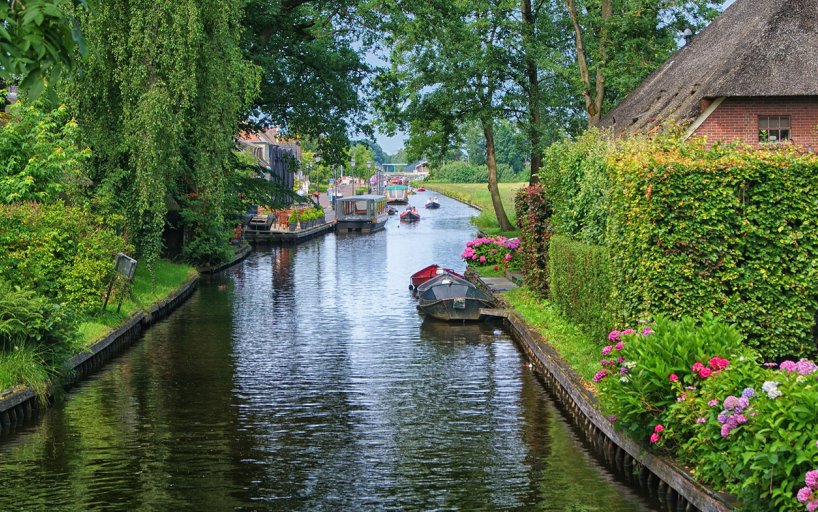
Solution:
(773, 128)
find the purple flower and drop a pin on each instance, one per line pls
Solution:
(612, 419)
(620, 360)
(748, 393)
(725, 430)
(812, 506)
(769, 365)
(605, 362)
(730, 402)
(647, 331)
(714, 402)
(623, 370)
(812, 479)
(701, 420)
(805, 367)
(627, 331)
(614, 336)
(804, 494)
(607, 350)
(788, 366)
(600, 375)
(619, 346)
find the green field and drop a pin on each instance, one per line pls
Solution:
(477, 194)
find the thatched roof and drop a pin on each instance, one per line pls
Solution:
(755, 48)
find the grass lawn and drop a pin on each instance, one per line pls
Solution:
(478, 195)
(577, 348)
(147, 290)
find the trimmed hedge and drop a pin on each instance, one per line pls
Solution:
(580, 279)
(724, 230)
(575, 175)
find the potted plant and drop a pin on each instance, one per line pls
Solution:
(294, 220)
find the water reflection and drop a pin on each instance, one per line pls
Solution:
(304, 379)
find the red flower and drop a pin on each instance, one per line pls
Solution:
(658, 429)
(673, 377)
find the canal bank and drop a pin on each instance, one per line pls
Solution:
(661, 478)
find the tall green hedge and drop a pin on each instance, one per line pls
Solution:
(576, 178)
(722, 230)
(580, 280)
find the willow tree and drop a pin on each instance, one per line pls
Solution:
(451, 60)
(159, 100)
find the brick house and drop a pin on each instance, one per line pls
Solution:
(751, 75)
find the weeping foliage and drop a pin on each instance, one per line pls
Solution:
(159, 101)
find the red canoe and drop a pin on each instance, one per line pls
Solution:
(423, 275)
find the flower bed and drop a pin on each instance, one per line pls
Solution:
(497, 252)
(696, 393)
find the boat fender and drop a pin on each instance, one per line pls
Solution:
(411, 287)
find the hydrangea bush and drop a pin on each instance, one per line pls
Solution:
(500, 251)
(693, 391)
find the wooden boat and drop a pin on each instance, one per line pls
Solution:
(424, 274)
(392, 210)
(364, 213)
(397, 194)
(410, 214)
(448, 297)
(433, 203)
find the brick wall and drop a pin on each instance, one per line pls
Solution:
(737, 118)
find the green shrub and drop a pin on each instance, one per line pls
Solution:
(697, 393)
(40, 157)
(580, 283)
(641, 393)
(64, 253)
(576, 178)
(533, 212)
(28, 317)
(721, 230)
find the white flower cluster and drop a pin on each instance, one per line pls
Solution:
(771, 388)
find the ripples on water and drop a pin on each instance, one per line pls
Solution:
(303, 379)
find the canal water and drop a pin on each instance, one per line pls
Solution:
(303, 379)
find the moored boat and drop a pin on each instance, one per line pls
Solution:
(397, 194)
(410, 214)
(427, 273)
(433, 203)
(421, 189)
(365, 213)
(448, 297)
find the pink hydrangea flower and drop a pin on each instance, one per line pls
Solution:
(627, 331)
(654, 438)
(812, 479)
(619, 345)
(673, 377)
(607, 350)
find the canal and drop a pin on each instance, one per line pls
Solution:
(303, 379)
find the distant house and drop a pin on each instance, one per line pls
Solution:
(280, 157)
(751, 75)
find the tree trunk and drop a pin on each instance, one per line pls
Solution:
(494, 191)
(593, 102)
(534, 120)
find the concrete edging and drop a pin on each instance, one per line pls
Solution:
(240, 255)
(21, 404)
(663, 479)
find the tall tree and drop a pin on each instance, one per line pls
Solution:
(313, 71)
(618, 43)
(456, 72)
